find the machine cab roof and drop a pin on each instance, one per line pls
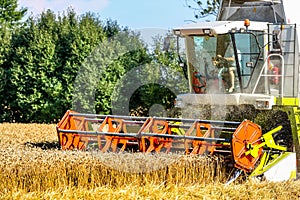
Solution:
(217, 27)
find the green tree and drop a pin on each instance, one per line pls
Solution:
(52, 63)
(9, 12)
(5, 41)
(99, 75)
(203, 8)
(45, 70)
(33, 87)
(160, 80)
(10, 17)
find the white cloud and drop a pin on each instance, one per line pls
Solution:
(80, 6)
(291, 12)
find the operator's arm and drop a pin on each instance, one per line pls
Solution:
(231, 79)
(229, 59)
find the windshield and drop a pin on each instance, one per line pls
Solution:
(219, 65)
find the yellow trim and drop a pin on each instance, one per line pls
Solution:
(293, 175)
(265, 165)
(287, 101)
(268, 141)
(260, 168)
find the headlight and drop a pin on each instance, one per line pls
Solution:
(262, 104)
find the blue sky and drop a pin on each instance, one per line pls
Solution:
(149, 17)
(136, 14)
(149, 13)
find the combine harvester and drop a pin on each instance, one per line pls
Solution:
(243, 103)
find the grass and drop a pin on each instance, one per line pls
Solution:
(33, 167)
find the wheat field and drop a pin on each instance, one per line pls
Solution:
(33, 167)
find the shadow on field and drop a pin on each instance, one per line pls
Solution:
(43, 145)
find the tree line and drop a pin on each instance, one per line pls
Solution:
(54, 62)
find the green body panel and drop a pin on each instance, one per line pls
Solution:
(291, 107)
(265, 164)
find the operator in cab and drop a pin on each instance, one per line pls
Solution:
(226, 67)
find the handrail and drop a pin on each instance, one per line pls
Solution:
(270, 75)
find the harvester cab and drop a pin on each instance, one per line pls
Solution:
(242, 103)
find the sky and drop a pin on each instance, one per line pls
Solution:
(149, 17)
(135, 14)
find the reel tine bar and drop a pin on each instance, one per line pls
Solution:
(143, 134)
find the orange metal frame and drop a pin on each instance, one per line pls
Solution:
(150, 134)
